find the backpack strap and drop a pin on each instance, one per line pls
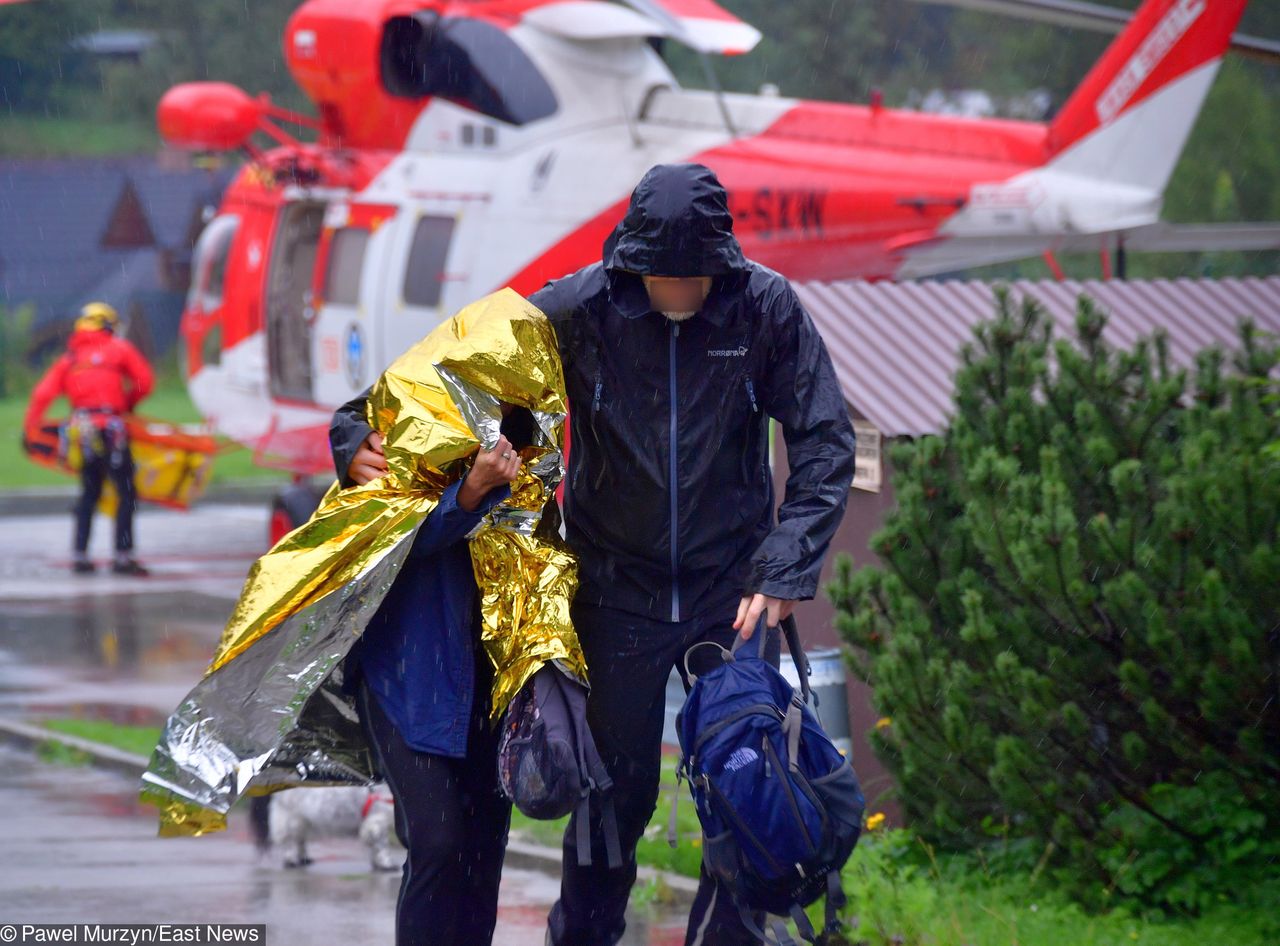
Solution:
(597, 780)
(792, 725)
(608, 823)
(792, 633)
(836, 901)
(673, 838)
(609, 820)
(803, 926)
(582, 818)
(779, 930)
(726, 655)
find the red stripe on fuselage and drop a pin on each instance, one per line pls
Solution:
(828, 191)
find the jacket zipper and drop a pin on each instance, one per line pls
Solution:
(595, 408)
(675, 499)
(746, 441)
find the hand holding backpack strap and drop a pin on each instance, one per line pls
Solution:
(792, 634)
(761, 636)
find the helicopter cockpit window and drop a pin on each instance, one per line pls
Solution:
(468, 61)
(346, 260)
(209, 265)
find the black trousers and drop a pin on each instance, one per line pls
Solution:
(453, 821)
(106, 455)
(629, 659)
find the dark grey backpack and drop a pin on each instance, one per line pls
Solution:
(547, 761)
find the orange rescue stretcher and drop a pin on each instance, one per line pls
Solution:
(172, 466)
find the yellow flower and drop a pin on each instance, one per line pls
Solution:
(884, 722)
(875, 821)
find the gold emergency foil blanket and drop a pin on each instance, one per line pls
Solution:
(270, 712)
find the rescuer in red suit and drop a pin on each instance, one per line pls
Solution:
(104, 377)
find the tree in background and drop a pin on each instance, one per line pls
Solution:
(1076, 629)
(38, 66)
(238, 42)
(44, 75)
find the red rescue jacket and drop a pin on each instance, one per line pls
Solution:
(98, 371)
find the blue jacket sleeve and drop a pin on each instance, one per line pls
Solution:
(449, 523)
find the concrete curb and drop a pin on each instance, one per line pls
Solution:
(48, 500)
(106, 757)
(679, 890)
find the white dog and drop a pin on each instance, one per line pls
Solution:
(366, 812)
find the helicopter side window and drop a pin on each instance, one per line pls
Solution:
(210, 263)
(424, 275)
(346, 261)
(471, 62)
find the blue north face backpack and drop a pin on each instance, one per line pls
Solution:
(780, 807)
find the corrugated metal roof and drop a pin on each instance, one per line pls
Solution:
(896, 345)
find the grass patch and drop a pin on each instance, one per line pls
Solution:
(56, 753)
(29, 136)
(139, 740)
(904, 900)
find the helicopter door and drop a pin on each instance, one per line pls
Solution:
(418, 281)
(289, 299)
(352, 260)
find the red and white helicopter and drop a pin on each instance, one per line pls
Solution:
(466, 145)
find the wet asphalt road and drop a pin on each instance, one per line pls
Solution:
(84, 850)
(77, 846)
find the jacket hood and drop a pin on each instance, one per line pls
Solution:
(89, 339)
(678, 224)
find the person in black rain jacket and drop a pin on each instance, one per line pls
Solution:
(677, 350)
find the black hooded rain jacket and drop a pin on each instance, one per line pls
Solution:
(669, 500)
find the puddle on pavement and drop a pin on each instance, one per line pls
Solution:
(105, 646)
(116, 633)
